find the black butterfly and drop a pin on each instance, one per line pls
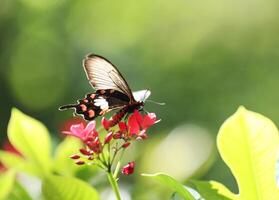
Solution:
(112, 91)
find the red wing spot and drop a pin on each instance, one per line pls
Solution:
(83, 107)
(91, 113)
(92, 96)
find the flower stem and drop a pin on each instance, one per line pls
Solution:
(114, 185)
(115, 174)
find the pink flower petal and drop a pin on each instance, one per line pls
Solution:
(70, 133)
(77, 130)
(90, 126)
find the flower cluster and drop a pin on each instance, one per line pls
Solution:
(116, 140)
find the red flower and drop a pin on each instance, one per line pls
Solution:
(138, 123)
(82, 133)
(129, 168)
(94, 144)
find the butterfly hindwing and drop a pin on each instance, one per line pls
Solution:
(101, 102)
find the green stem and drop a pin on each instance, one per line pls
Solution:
(114, 185)
(115, 174)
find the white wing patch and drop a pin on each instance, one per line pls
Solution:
(102, 103)
(141, 95)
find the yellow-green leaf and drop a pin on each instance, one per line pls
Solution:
(6, 183)
(62, 163)
(212, 190)
(18, 193)
(16, 162)
(31, 138)
(248, 142)
(67, 188)
(172, 184)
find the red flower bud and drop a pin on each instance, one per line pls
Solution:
(106, 123)
(85, 152)
(128, 169)
(80, 162)
(74, 156)
(108, 137)
(126, 144)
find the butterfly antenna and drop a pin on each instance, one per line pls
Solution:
(67, 106)
(158, 103)
(145, 111)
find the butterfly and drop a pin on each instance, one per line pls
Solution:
(112, 91)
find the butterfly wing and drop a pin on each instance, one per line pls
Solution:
(103, 75)
(141, 95)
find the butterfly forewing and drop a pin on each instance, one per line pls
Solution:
(103, 75)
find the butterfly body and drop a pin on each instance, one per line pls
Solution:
(112, 92)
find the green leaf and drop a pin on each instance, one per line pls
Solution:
(6, 183)
(248, 142)
(18, 193)
(211, 190)
(31, 138)
(63, 164)
(67, 188)
(16, 162)
(11, 160)
(172, 184)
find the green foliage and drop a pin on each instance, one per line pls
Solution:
(31, 138)
(248, 142)
(67, 188)
(6, 183)
(172, 184)
(66, 148)
(211, 190)
(16, 162)
(18, 193)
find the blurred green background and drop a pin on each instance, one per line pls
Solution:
(203, 58)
